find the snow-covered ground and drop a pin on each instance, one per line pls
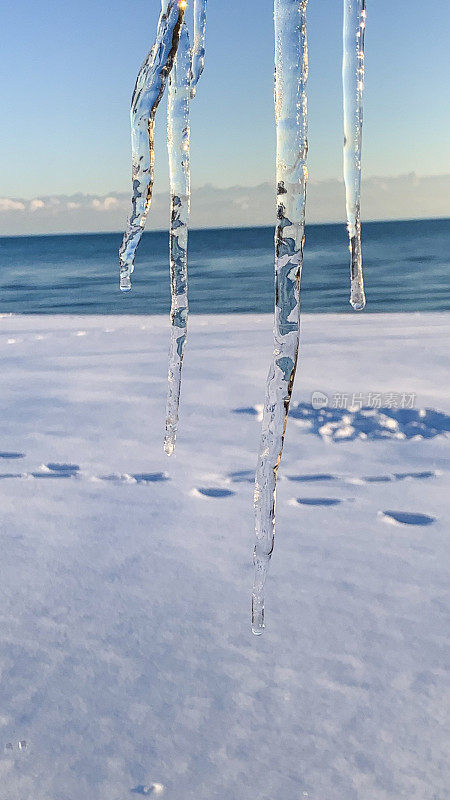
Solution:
(127, 662)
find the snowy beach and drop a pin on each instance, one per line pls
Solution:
(127, 661)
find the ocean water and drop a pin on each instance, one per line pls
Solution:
(231, 270)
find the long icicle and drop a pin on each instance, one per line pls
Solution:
(291, 71)
(353, 85)
(178, 143)
(198, 50)
(147, 94)
(179, 168)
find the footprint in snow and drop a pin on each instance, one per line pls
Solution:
(138, 477)
(70, 469)
(150, 477)
(252, 411)
(53, 470)
(322, 476)
(378, 478)
(51, 474)
(406, 518)
(317, 501)
(242, 476)
(401, 476)
(213, 492)
(396, 476)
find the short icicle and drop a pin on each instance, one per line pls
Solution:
(353, 84)
(178, 146)
(291, 70)
(147, 94)
(198, 50)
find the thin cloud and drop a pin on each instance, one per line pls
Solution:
(8, 204)
(105, 204)
(36, 204)
(402, 197)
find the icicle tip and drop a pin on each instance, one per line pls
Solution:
(258, 625)
(125, 283)
(358, 304)
(169, 443)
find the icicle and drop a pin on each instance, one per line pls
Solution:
(178, 143)
(291, 70)
(353, 84)
(147, 93)
(198, 50)
(178, 146)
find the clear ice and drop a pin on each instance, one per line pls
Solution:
(198, 50)
(170, 55)
(186, 74)
(291, 71)
(147, 94)
(178, 133)
(353, 85)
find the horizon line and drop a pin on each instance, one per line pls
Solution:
(222, 228)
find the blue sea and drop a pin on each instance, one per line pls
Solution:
(230, 270)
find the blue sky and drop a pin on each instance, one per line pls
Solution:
(69, 68)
